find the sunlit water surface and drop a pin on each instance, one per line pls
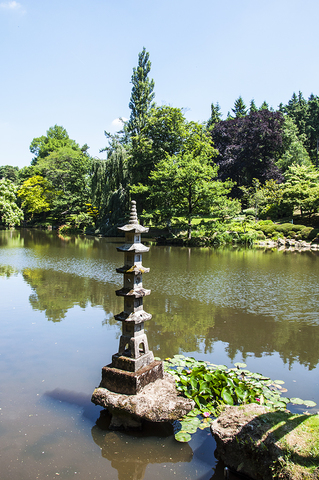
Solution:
(57, 331)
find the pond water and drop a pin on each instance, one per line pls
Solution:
(57, 331)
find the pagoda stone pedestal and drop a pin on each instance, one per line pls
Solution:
(133, 366)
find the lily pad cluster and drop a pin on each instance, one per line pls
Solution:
(214, 386)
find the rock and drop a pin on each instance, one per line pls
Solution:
(263, 444)
(237, 432)
(157, 402)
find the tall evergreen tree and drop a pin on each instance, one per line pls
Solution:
(142, 94)
(312, 128)
(297, 110)
(215, 117)
(264, 106)
(240, 109)
(253, 108)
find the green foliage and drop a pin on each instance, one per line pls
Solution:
(240, 109)
(301, 189)
(305, 115)
(36, 194)
(165, 133)
(142, 94)
(214, 386)
(77, 223)
(181, 183)
(288, 230)
(294, 151)
(57, 137)
(253, 108)
(215, 117)
(9, 172)
(67, 171)
(109, 180)
(10, 213)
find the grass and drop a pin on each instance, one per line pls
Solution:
(297, 436)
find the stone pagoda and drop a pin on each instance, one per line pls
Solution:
(133, 366)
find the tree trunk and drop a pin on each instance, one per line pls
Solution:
(189, 229)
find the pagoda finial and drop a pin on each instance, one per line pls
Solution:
(133, 213)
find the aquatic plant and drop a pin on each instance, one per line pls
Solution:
(214, 386)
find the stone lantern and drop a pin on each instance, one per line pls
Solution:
(133, 366)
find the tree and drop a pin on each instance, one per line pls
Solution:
(181, 183)
(109, 179)
(249, 147)
(297, 110)
(215, 117)
(10, 213)
(293, 146)
(36, 194)
(264, 106)
(184, 184)
(305, 115)
(57, 137)
(253, 108)
(301, 189)
(164, 133)
(9, 172)
(240, 109)
(312, 128)
(142, 94)
(68, 172)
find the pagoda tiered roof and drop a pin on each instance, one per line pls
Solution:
(132, 269)
(133, 247)
(136, 227)
(136, 317)
(131, 292)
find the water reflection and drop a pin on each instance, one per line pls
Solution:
(155, 444)
(56, 292)
(179, 324)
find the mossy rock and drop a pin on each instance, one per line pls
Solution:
(266, 444)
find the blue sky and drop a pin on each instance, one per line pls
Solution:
(70, 62)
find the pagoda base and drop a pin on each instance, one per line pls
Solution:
(129, 364)
(130, 383)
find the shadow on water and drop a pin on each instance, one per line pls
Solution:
(130, 452)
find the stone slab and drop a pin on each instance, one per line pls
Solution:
(130, 383)
(157, 402)
(128, 364)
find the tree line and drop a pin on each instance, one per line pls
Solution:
(257, 158)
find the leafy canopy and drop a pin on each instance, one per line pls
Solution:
(142, 94)
(57, 137)
(10, 213)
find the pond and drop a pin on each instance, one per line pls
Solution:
(57, 331)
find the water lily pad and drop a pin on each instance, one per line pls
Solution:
(279, 382)
(222, 367)
(309, 403)
(203, 425)
(297, 401)
(182, 436)
(190, 428)
(240, 365)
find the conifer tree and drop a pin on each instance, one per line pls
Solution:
(264, 106)
(240, 109)
(215, 116)
(253, 108)
(142, 94)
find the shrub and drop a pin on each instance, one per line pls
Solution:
(307, 233)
